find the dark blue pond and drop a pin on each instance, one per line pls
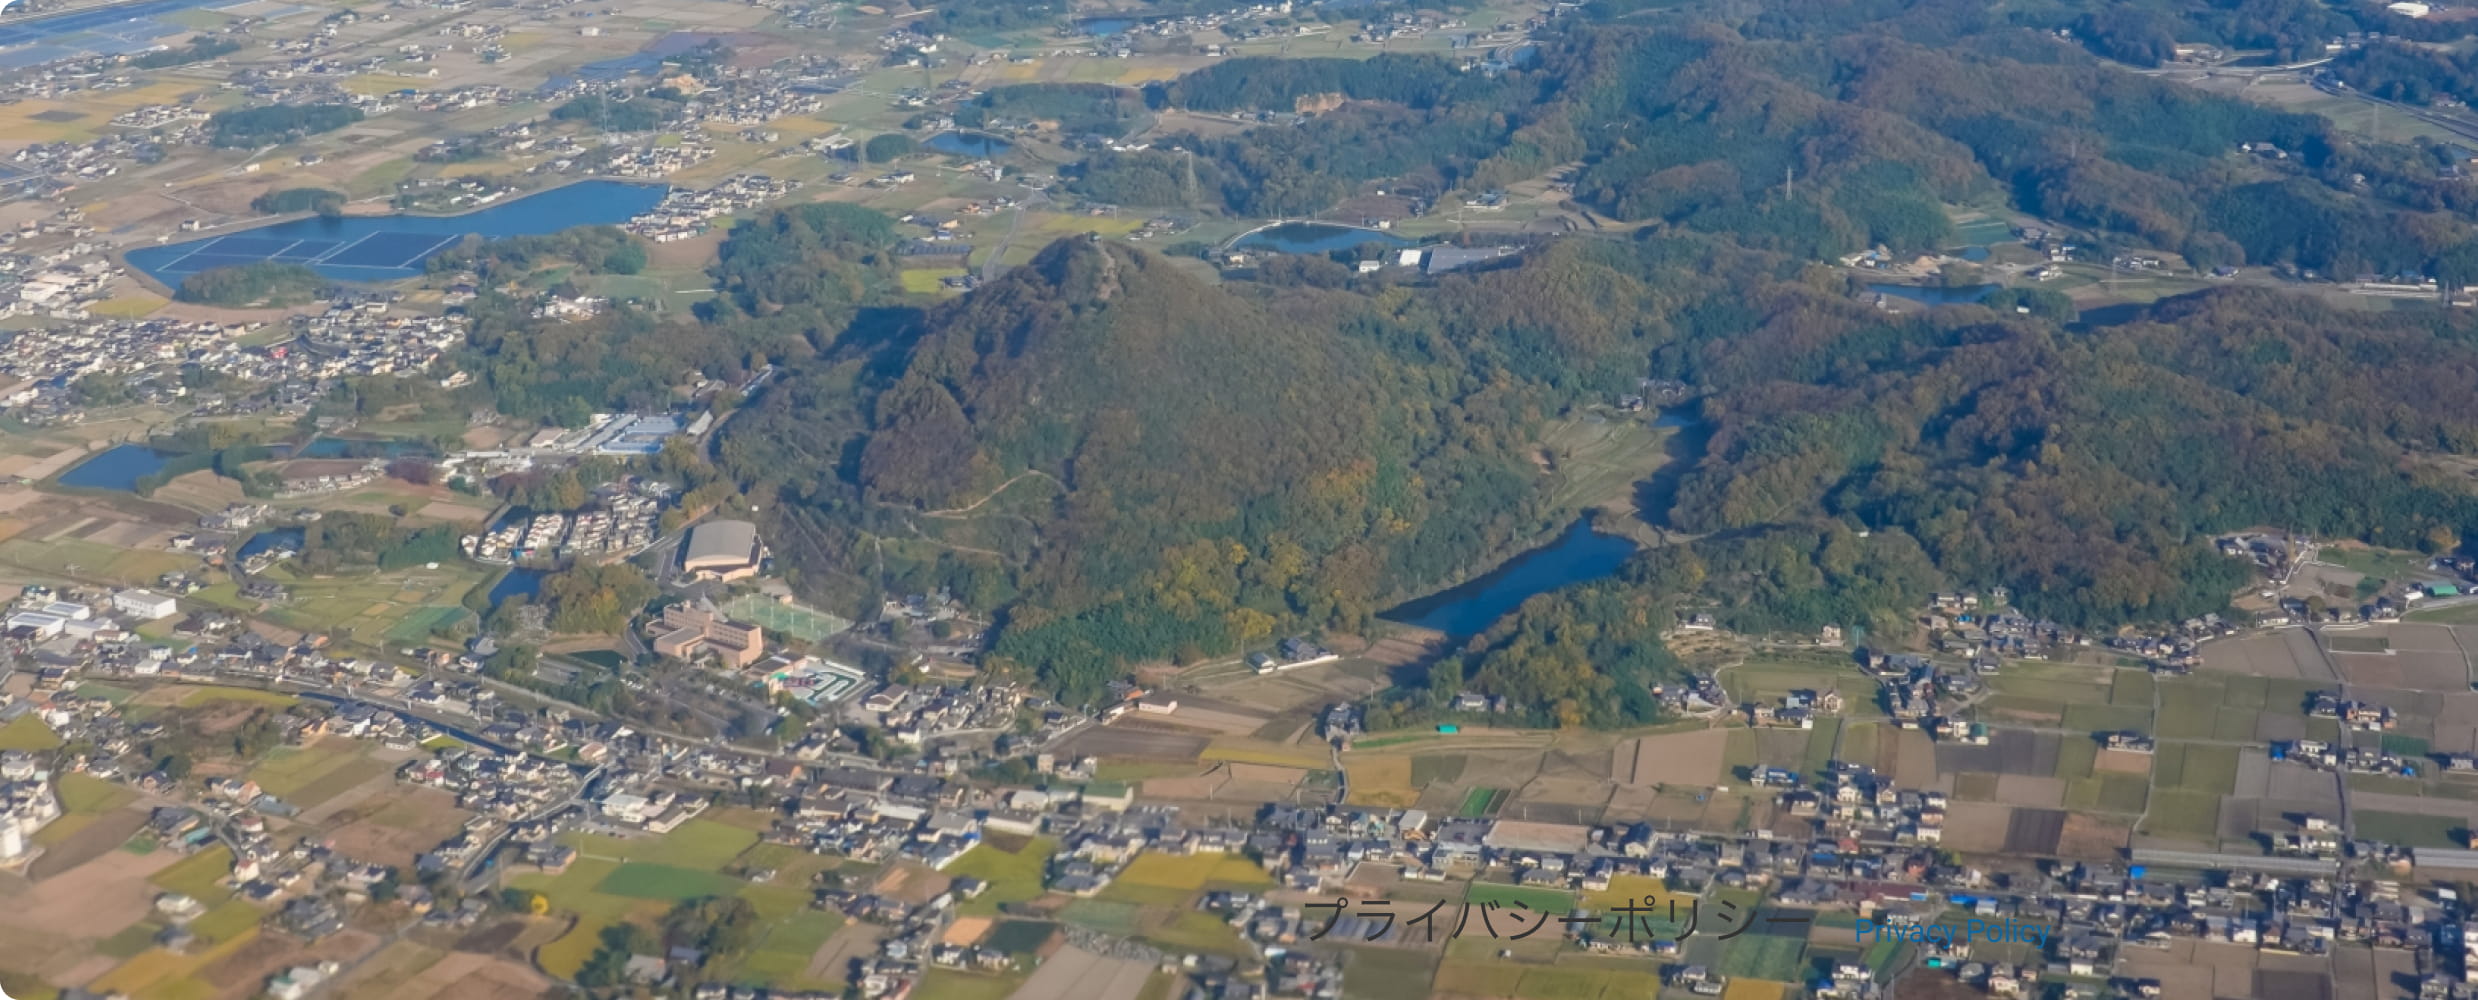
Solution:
(1578, 555)
(517, 582)
(1104, 27)
(1936, 296)
(279, 538)
(1314, 237)
(387, 247)
(968, 144)
(119, 468)
(647, 59)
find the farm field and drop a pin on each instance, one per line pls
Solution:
(1013, 876)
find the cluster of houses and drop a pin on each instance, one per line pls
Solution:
(502, 790)
(1915, 692)
(2323, 756)
(1857, 802)
(365, 335)
(2362, 716)
(1798, 710)
(683, 214)
(40, 365)
(913, 714)
(621, 523)
(1290, 654)
(28, 803)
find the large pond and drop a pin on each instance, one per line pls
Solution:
(387, 247)
(968, 144)
(1314, 237)
(1578, 555)
(118, 468)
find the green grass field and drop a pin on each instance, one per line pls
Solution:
(948, 984)
(288, 771)
(1012, 877)
(1481, 802)
(1104, 915)
(1194, 871)
(1600, 459)
(781, 958)
(28, 733)
(1763, 956)
(1193, 931)
(2406, 746)
(2057, 687)
(196, 876)
(1434, 768)
(2412, 829)
(2111, 792)
(2192, 815)
(226, 922)
(567, 954)
(1529, 981)
(2096, 718)
(699, 843)
(129, 942)
(2075, 756)
(642, 880)
(572, 891)
(2195, 768)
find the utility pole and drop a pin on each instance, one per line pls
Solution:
(1789, 183)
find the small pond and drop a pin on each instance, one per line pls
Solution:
(968, 144)
(278, 538)
(516, 582)
(1577, 555)
(1314, 237)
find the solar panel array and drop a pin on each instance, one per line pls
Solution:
(381, 255)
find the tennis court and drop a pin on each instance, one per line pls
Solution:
(796, 620)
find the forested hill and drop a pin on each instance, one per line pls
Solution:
(1227, 465)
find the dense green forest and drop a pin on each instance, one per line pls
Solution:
(582, 250)
(642, 113)
(346, 540)
(199, 49)
(799, 274)
(325, 202)
(1122, 460)
(265, 283)
(277, 123)
(1074, 108)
